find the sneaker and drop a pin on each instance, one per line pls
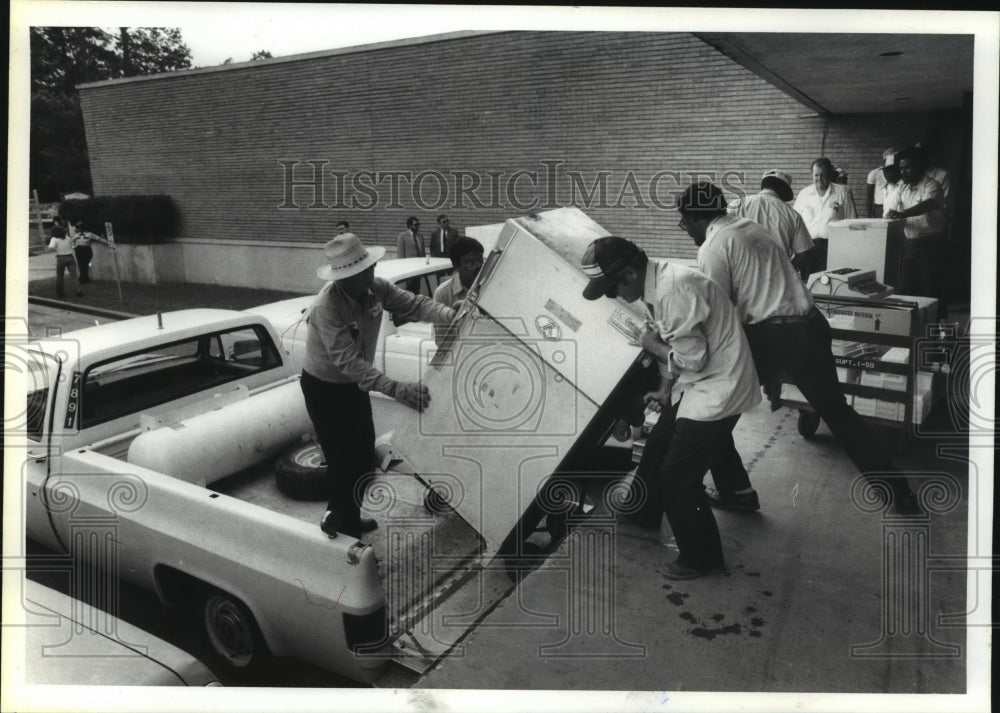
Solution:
(678, 571)
(724, 500)
(330, 524)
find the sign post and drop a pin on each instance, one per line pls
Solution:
(110, 233)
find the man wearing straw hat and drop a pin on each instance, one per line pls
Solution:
(337, 376)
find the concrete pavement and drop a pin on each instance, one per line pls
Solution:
(806, 604)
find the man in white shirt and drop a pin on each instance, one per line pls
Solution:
(770, 209)
(467, 256)
(925, 226)
(876, 186)
(789, 338)
(707, 380)
(821, 203)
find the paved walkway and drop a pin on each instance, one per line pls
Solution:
(806, 604)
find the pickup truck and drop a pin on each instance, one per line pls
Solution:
(151, 444)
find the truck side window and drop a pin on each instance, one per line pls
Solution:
(138, 381)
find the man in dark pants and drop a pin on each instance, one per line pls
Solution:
(925, 226)
(790, 339)
(337, 376)
(707, 380)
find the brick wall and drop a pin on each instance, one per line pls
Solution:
(574, 108)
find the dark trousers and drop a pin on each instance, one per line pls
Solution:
(921, 271)
(678, 453)
(342, 417)
(64, 263)
(726, 466)
(819, 254)
(800, 352)
(84, 254)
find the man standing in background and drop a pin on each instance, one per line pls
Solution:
(821, 203)
(410, 244)
(770, 208)
(876, 186)
(925, 227)
(443, 237)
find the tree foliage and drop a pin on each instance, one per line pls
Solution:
(63, 58)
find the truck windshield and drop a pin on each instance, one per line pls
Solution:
(135, 382)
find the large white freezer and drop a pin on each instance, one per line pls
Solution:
(525, 374)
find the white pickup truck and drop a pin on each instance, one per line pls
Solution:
(153, 440)
(151, 444)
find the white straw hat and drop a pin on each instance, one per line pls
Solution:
(346, 256)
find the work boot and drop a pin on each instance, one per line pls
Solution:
(331, 523)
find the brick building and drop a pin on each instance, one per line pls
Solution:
(263, 158)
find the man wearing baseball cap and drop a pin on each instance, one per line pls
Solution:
(790, 338)
(337, 376)
(707, 380)
(770, 208)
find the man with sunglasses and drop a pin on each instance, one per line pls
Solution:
(707, 380)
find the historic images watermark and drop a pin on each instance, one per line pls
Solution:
(908, 609)
(318, 184)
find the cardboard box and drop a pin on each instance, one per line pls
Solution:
(890, 410)
(897, 355)
(848, 376)
(881, 380)
(864, 406)
(878, 317)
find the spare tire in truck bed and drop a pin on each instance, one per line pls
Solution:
(300, 472)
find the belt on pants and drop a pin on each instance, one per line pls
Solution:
(789, 319)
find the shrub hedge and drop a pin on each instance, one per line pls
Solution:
(136, 219)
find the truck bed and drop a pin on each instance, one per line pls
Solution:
(425, 559)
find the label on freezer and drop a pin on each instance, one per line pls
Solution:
(562, 314)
